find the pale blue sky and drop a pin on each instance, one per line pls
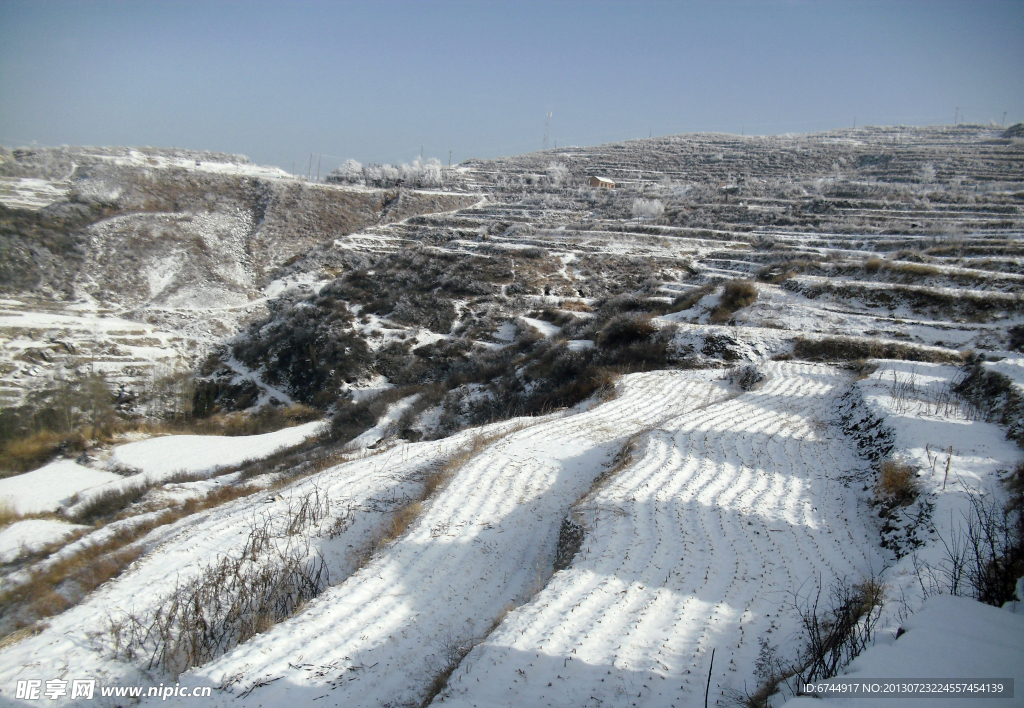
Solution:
(378, 80)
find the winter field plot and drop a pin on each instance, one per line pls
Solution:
(722, 513)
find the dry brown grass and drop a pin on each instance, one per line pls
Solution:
(61, 584)
(265, 420)
(7, 514)
(736, 294)
(27, 453)
(575, 306)
(399, 522)
(897, 483)
(908, 271)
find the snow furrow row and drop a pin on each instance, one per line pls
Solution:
(694, 547)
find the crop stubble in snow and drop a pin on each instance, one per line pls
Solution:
(693, 547)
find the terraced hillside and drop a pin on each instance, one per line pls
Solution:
(182, 243)
(578, 441)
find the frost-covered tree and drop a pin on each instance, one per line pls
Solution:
(349, 173)
(381, 175)
(424, 174)
(647, 208)
(558, 175)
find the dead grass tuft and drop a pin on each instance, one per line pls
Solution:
(7, 514)
(736, 294)
(897, 484)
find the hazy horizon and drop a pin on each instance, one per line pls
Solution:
(379, 82)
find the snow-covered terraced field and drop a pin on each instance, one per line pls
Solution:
(694, 547)
(361, 494)
(164, 456)
(483, 545)
(526, 300)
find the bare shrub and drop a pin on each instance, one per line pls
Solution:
(450, 653)
(834, 630)
(853, 348)
(110, 501)
(1016, 341)
(623, 330)
(746, 377)
(985, 554)
(275, 574)
(570, 539)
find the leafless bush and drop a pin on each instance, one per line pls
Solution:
(233, 599)
(736, 294)
(570, 539)
(984, 554)
(852, 348)
(834, 630)
(110, 501)
(451, 651)
(746, 377)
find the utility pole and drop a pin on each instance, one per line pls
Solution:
(309, 167)
(956, 115)
(449, 158)
(547, 127)
(855, 122)
(1004, 120)
(318, 158)
(421, 153)
(293, 167)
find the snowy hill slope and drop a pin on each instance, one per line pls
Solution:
(786, 323)
(174, 240)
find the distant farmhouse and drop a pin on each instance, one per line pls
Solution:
(602, 182)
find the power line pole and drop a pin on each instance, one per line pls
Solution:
(547, 127)
(449, 158)
(318, 158)
(1004, 120)
(309, 167)
(956, 115)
